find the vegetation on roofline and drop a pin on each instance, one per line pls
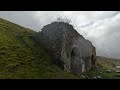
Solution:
(63, 19)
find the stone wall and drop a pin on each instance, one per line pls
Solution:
(71, 51)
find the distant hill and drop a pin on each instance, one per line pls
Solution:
(106, 58)
(110, 63)
(106, 69)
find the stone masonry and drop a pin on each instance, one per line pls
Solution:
(70, 50)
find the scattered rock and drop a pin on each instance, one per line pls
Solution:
(103, 68)
(108, 71)
(95, 77)
(83, 76)
(86, 77)
(99, 77)
(117, 71)
(117, 66)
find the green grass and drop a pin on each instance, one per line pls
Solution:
(22, 58)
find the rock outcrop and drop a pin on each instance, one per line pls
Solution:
(71, 51)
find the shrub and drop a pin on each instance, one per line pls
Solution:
(63, 19)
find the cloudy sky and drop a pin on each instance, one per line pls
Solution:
(100, 27)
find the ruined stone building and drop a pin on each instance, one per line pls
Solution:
(70, 50)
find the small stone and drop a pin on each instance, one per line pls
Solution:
(117, 66)
(117, 71)
(99, 77)
(95, 77)
(86, 77)
(103, 68)
(108, 71)
(83, 76)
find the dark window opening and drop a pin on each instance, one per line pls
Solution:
(93, 59)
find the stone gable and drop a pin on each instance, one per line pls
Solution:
(71, 51)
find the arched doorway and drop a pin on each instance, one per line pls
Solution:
(93, 60)
(75, 60)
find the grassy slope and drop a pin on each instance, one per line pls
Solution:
(21, 58)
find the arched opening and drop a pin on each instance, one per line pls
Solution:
(75, 60)
(93, 60)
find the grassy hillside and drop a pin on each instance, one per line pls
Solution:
(22, 58)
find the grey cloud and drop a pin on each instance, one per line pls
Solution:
(88, 24)
(23, 18)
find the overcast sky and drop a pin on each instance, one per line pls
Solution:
(100, 27)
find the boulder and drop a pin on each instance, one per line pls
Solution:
(99, 77)
(118, 67)
(108, 71)
(95, 77)
(117, 71)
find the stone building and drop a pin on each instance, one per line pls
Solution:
(70, 50)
